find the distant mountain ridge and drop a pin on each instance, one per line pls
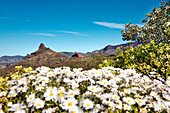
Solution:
(11, 59)
(47, 57)
(111, 49)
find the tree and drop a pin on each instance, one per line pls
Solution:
(156, 26)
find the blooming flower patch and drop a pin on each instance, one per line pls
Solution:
(65, 90)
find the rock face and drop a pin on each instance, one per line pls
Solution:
(42, 46)
(41, 49)
(76, 55)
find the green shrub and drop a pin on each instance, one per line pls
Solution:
(147, 58)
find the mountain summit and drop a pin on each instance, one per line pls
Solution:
(42, 46)
(41, 49)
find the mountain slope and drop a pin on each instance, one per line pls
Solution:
(11, 59)
(112, 49)
(47, 57)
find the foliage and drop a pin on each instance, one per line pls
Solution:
(73, 90)
(106, 63)
(156, 26)
(148, 58)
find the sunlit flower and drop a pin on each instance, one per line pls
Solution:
(129, 100)
(140, 102)
(17, 108)
(3, 93)
(1, 111)
(30, 98)
(50, 94)
(88, 104)
(126, 107)
(39, 103)
(69, 104)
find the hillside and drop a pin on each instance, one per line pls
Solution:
(47, 57)
(111, 49)
(11, 59)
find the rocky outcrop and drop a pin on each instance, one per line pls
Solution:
(76, 55)
(42, 46)
(41, 49)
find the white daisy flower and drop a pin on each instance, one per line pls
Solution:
(17, 108)
(118, 104)
(39, 103)
(12, 94)
(31, 77)
(140, 102)
(30, 98)
(69, 104)
(127, 107)
(129, 100)
(88, 104)
(50, 94)
(115, 97)
(1, 110)
(3, 93)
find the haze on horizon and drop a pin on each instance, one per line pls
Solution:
(67, 25)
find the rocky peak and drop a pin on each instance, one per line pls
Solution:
(42, 46)
(76, 55)
(41, 49)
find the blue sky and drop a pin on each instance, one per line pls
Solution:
(66, 25)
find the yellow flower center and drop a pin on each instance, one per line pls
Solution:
(69, 104)
(139, 101)
(92, 88)
(61, 92)
(38, 104)
(108, 104)
(32, 77)
(51, 94)
(30, 98)
(129, 101)
(13, 95)
(88, 94)
(88, 105)
(60, 95)
(116, 97)
(73, 112)
(71, 94)
(104, 82)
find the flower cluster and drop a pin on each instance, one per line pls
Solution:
(63, 89)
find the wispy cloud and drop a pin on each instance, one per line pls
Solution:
(113, 25)
(41, 34)
(5, 18)
(110, 25)
(74, 33)
(28, 20)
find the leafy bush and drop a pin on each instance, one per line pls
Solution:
(63, 89)
(147, 58)
(156, 26)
